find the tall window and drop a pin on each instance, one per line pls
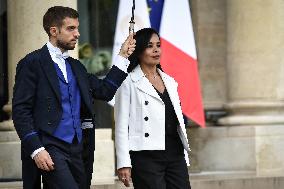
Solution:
(97, 29)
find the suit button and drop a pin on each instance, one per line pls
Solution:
(146, 118)
(49, 123)
(146, 134)
(146, 102)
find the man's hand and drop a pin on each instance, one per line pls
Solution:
(128, 46)
(44, 161)
(124, 175)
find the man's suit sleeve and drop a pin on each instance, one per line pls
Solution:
(22, 105)
(105, 89)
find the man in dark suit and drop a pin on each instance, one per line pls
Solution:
(52, 105)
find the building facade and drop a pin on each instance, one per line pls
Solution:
(240, 56)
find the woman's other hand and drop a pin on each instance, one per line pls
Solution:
(124, 175)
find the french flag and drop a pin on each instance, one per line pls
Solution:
(172, 20)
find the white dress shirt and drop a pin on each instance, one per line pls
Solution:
(59, 58)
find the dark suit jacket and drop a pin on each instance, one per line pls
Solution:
(36, 105)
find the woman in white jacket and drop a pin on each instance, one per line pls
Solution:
(150, 136)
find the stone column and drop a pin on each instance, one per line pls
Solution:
(255, 62)
(209, 23)
(25, 34)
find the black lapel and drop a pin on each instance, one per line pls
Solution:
(81, 81)
(49, 69)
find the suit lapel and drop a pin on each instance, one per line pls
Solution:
(142, 83)
(49, 69)
(81, 81)
(145, 86)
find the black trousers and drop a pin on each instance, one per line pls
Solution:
(69, 172)
(159, 170)
(31, 175)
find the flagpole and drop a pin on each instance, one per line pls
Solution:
(131, 26)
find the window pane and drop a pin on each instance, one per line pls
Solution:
(97, 29)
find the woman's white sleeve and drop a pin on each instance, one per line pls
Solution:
(121, 115)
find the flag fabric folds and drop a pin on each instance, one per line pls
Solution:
(172, 20)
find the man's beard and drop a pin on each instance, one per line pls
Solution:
(65, 45)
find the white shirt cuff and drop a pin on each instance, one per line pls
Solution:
(122, 63)
(36, 152)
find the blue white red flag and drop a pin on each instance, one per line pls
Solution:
(172, 20)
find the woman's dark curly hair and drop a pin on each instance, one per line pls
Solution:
(142, 38)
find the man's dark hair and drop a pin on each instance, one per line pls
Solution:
(54, 16)
(142, 38)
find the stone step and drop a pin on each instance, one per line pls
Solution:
(201, 181)
(11, 185)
